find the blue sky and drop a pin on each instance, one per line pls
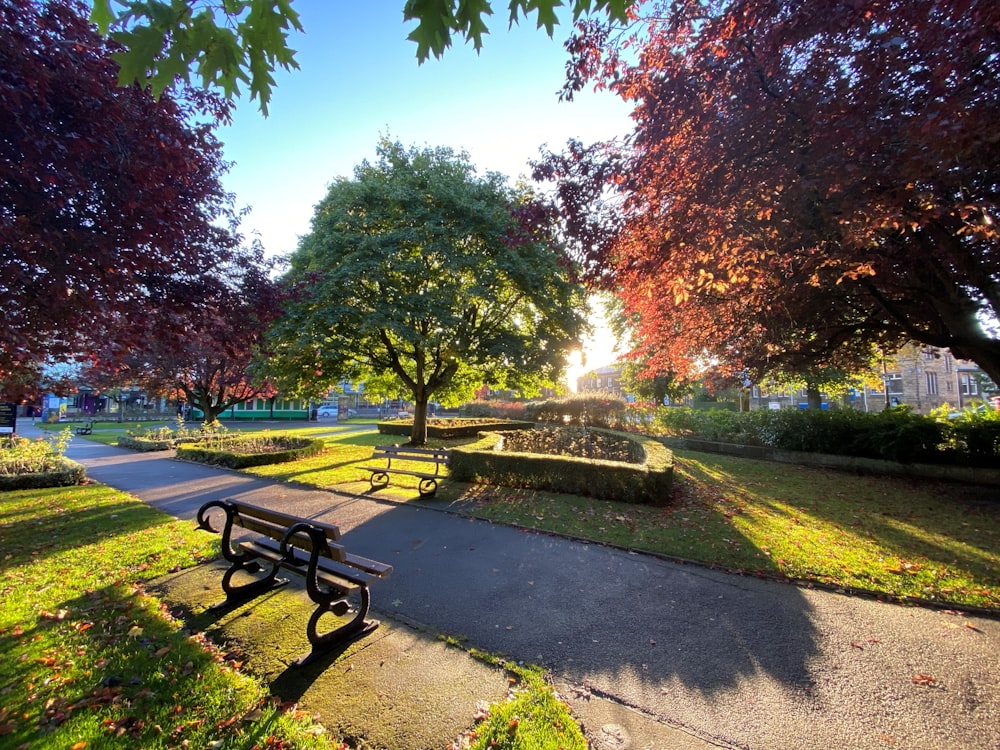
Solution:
(359, 79)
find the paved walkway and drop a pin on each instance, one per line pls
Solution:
(715, 660)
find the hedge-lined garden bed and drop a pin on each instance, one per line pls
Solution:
(58, 472)
(243, 452)
(648, 479)
(450, 429)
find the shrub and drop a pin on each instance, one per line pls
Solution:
(34, 464)
(239, 452)
(583, 409)
(449, 429)
(649, 481)
(892, 435)
(509, 410)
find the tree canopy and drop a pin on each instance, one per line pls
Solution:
(209, 354)
(421, 269)
(110, 201)
(807, 181)
(242, 42)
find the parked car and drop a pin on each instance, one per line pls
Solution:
(328, 410)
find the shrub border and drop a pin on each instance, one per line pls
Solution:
(231, 460)
(650, 482)
(69, 473)
(405, 427)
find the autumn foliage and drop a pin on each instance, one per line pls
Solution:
(806, 180)
(111, 206)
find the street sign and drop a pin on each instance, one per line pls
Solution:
(8, 418)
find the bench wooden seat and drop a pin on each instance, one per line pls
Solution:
(86, 428)
(379, 478)
(336, 580)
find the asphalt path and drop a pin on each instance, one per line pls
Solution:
(734, 661)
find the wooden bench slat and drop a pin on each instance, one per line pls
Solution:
(342, 576)
(387, 470)
(372, 566)
(284, 519)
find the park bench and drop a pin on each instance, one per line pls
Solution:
(86, 428)
(336, 580)
(428, 482)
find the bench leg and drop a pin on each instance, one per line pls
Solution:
(427, 487)
(237, 594)
(378, 480)
(349, 631)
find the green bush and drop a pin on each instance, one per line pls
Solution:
(61, 472)
(34, 464)
(449, 429)
(649, 482)
(892, 435)
(244, 452)
(135, 443)
(591, 410)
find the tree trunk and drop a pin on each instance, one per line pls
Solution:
(418, 435)
(814, 398)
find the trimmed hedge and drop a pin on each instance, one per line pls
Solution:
(648, 482)
(447, 429)
(144, 444)
(233, 459)
(891, 435)
(67, 474)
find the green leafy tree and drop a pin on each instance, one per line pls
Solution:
(234, 43)
(420, 268)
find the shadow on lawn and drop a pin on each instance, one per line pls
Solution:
(26, 535)
(867, 531)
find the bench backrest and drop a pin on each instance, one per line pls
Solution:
(402, 453)
(274, 524)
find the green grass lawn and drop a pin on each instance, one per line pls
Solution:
(88, 660)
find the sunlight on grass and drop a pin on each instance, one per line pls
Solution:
(87, 659)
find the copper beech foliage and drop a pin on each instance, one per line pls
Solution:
(807, 179)
(111, 205)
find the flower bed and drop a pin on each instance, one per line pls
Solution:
(238, 452)
(32, 464)
(647, 478)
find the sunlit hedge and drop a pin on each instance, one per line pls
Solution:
(650, 481)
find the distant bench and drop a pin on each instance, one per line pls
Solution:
(428, 482)
(331, 573)
(86, 428)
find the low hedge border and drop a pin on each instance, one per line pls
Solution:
(648, 483)
(234, 460)
(144, 444)
(68, 474)
(450, 429)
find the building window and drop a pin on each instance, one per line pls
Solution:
(969, 385)
(947, 363)
(932, 384)
(895, 384)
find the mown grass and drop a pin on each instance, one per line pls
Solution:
(88, 660)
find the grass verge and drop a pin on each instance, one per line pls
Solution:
(88, 660)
